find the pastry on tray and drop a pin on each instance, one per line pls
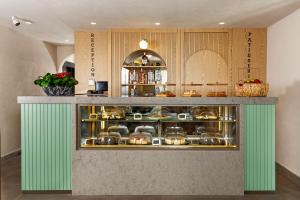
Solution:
(206, 115)
(191, 93)
(140, 137)
(165, 94)
(221, 94)
(217, 94)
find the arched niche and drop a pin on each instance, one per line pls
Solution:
(135, 57)
(205, 66)
(66, 61)
(133, 65)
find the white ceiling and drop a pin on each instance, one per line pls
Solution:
(56, 20)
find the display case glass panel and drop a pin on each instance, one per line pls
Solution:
(164, 127)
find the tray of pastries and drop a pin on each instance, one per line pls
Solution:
(191, 93)
(175, 135)
(212, 139)
(113, 113)
(140, 137)
(206, 115)
(159, 113)
(217, 94)
(104, 138)
(166, 94)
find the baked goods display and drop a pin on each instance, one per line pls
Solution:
(175, 136)
(108, 138)
(159, 113)
(140, 138)
(207, 115)
(251, 88)
(165, 94)
(143, 128)
(123, 130)
(216, 94)
(191, 93)
(212, 139)
(111, 112)
(161, 125)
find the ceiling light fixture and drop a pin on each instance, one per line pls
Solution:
(221, 23)
(93, 23)
(157, 23)
(143, 44)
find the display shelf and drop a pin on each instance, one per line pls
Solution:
(150, 84)
(120, 120)
(151, 147)
(145, 67)
(155, 124)
(161, 120)
(197, 121)
(192, 84)
(217, 84)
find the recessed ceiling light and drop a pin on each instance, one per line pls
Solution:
(67, 40)
(157, 23)
(28, 22)
(221, 23)
(93, 23)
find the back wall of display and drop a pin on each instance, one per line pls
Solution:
(192, 56)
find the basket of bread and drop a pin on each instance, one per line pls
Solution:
(251, 88)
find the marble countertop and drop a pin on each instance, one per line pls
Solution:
(147, 100)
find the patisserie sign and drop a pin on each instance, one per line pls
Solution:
(92, 55)
(248, 51)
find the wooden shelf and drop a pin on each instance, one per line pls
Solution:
(217, 84)
(192, 84)
(145, 67)
(141, 84)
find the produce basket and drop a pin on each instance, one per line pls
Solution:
(251, 90)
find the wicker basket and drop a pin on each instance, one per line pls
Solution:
(252, 90)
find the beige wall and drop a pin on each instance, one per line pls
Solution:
(63, 51)
(22, 59)
(82, 59)
(283, 74)
(175, 46)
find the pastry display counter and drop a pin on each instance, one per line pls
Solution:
(158, 127)
(148, 146)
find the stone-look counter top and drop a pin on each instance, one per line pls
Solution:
(147, 100)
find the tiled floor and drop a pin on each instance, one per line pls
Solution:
(11, 190)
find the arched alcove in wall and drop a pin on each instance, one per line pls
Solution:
(68, 64)
(206, 66)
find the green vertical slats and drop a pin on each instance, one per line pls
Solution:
(68, 147)
(46, 146)
(259, 147)
(23, 132)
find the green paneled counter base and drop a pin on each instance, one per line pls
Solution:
(259, 148)
(51, 160)
(46, 147)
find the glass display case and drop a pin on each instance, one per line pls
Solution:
(162, 127)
